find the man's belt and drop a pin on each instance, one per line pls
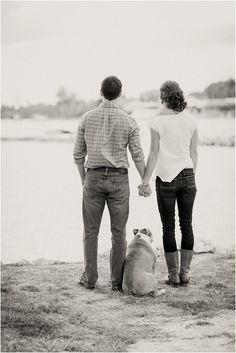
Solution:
(110, 170)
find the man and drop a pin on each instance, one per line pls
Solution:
(103, 136)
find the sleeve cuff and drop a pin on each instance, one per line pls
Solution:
(138, 158)
(79, 161)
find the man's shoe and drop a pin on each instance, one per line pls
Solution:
(117, 289)
(83, 282)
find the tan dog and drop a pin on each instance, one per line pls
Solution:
(139, 269)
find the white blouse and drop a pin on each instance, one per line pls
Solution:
(175, 133)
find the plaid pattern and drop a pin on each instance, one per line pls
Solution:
(103, 136)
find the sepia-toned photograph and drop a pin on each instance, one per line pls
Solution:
(118, 176)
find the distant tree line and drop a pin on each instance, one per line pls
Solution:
(149, 96)
(222, 89)
(67, 106)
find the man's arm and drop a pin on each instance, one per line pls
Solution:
(140, 166)
(80, 151)
(136, 151)
(81, 170)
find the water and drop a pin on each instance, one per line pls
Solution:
(213, 130)
(42, 195)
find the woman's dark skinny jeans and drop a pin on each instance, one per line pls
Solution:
(183, 189)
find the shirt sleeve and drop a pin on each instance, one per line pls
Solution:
(80, 149)
(134, 144)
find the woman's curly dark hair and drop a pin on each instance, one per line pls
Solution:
(173, 96)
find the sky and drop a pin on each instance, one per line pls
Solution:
(75, 44)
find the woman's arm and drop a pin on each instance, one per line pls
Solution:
(194, 150)
(152, 158)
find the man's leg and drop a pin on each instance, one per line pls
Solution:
(118, 205)
(93, 206)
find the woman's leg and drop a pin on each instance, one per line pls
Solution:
(166, 204)
(185, 201)
(166, 196)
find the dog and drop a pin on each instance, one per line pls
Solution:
(139, 267)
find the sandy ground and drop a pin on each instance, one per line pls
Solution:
(205, 335)
(44, 309)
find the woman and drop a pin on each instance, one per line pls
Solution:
(174, 153)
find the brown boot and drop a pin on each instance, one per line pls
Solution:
(186, 258)
(172, 261)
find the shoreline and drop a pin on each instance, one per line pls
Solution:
(45, 261)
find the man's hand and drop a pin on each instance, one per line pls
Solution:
(82, 173)
(144, 190)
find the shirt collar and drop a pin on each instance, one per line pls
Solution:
(109, 104)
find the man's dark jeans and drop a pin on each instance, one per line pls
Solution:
(113, 189)
(183, 189)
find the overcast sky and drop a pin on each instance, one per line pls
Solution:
(76, 44)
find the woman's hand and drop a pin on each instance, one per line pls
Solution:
(144, 190)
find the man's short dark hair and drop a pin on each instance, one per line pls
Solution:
(111, 87)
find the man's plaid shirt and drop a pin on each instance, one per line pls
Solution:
(104, 134)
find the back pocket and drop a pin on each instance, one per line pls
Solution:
(167, 189)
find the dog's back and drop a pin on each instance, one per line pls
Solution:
(139, 268)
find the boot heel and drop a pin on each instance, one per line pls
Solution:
(174, 285)
(172, 261)
(186, 258)
(184, 284)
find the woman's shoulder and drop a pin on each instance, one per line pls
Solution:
(190, 117)
(155, 122)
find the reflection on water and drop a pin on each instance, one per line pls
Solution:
(41, 202)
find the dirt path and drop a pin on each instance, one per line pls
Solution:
(186, 334)
(44, 309)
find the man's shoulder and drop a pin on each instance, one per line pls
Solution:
(122, 115)
(130, 120)
(91, 112)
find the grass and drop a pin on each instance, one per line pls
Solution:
(44, 309)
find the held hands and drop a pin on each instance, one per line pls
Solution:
(144, 190)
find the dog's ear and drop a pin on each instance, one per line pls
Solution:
(135, 231)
